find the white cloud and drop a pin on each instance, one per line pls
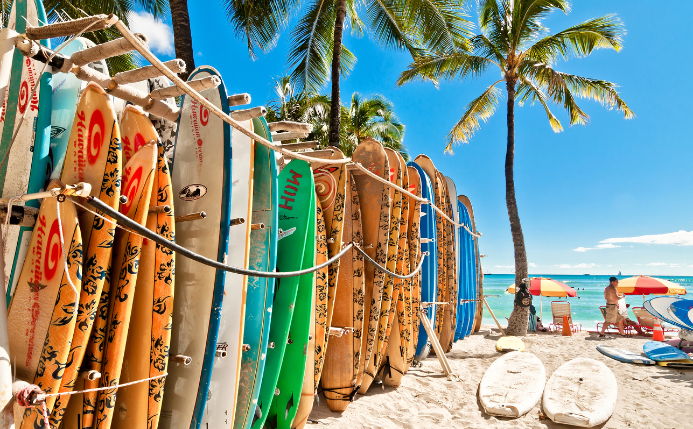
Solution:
(598, 246)
(680, 238)
(657, 264)
(583, 265)
(159, 34)
(532, 265)
(503, 266)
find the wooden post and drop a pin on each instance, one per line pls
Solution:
(437, 348)
(493, 315)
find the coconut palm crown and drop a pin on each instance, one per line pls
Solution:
(514, 40)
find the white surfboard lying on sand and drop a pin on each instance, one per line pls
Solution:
(582, 392)
(512, 385)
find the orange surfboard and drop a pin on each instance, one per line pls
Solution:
(41, 319)
(93, 156)
(414, 248)
(138, 179)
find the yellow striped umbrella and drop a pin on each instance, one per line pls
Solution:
(546, 287)
(646, 285)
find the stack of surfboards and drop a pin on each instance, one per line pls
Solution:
(97, 301)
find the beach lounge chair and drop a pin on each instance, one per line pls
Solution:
(558, 310)
(609, 326)
(646, 320)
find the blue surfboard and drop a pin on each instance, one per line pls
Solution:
(682, 310)
(465, 275)
(429, 270)
(473, 265)
(662, 352)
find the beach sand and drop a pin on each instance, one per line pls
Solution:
(648, 396)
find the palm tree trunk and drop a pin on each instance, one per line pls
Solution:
(335, 108)
(517, 323)
(180, 19)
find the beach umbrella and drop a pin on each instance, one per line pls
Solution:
(540, 286)
(645, 285)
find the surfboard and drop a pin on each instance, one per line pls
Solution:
(659, 308)
(448, 331)
(139, 175)
(455, 240)
(67, 90)
(40, 317)
(318, 329)
(263, 257)
(146, 350)
(624, 355)
(582, 392)
(201, 177)
(399, 325)
(466, 307)
(414, 248)
(476, 273)
(330, 184)
(296, 198)
(512, 385)
(343, 356)
(682, 310)
(429, 270)
(388, 297)
(28, 164)
(374, 202)
(221, 399)
(94, 157)
(510, 344)
(662, 352)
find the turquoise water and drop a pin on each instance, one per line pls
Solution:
(585, 306)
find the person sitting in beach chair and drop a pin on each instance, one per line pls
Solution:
(612, 315)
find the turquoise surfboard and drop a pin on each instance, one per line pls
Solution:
(29, 165)
(263, 257)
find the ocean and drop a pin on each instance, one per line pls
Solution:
(585, 307)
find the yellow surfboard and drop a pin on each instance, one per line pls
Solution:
(41, 318)
(315, 353)
(93, 156)
(138, 179)
(146, 351)
(414, 249)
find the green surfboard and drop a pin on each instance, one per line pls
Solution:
(296, 222)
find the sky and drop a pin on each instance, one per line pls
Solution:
(615, 195)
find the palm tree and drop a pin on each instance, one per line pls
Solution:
(514, 40)
(182, 37)
(375, 118)
(61, 10)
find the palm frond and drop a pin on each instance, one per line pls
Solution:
(357, 26)
(311, 46)
(527, 17)
(493, 21)
(389, 26)
(441, 24)
(258, 22)
(579, 40)
(455, 65)
(480, 109)
(527, 90)
(484, 48)
(562, 88)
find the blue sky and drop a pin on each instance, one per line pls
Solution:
(613, 195)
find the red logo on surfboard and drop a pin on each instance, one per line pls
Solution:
(204, 115)
(131, 148)
(95, 136)
(325, 185)
(53, 251)
(132, 182)
(23, 96)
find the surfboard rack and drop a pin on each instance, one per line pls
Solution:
(301, 145)
(238, 99)
(191, 216)
(160, 209)
(182, 359)
(20, 215)
(81, 189)
(248, 114)
(90, 375)
(436, 346)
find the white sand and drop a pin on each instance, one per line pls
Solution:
(648, 396)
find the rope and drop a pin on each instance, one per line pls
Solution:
(342, 396)
(151, 235)
(142, 49)
(43, 396)
(415, 197)
(24, 401)
(385, 270)
(62, 250)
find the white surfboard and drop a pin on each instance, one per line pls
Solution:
(512, 385)
(221, 400)
(582, 392)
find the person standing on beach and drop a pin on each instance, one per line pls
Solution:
(612, 315)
